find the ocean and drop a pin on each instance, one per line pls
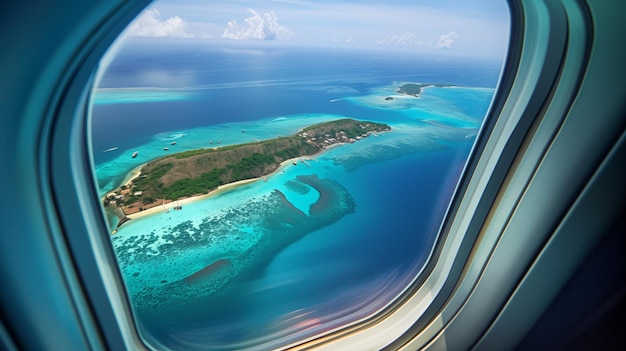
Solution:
(245, 269)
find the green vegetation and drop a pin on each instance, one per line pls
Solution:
(416, 89)
(187, 187)
(244, 168)
(200, 171)
(350, 127)
(150, 180)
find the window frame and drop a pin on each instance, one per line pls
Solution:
(510, 164)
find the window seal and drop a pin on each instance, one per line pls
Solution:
(76, 219)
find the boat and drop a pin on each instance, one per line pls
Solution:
(166, 148)
(173, 143)
(135, 154)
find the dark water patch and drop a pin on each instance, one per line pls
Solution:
(211, 269)
(287, 203)
(297, 187)
(329, 196)
(433, 137)
(384, 152)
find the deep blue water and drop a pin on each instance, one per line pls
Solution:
(400, 182)
(246, 84)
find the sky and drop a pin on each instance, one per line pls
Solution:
(460, 27)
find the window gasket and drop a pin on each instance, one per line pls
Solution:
(73, 209)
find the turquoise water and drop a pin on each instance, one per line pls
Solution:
(309, 248)
(134, 95)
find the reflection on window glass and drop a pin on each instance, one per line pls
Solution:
(275, 170)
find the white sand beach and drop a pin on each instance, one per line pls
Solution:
(222, 188)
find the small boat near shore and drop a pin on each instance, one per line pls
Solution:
(135, 154)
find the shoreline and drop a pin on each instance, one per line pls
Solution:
(188, 200)
(136, 172)
(133, 174)
(220, 189)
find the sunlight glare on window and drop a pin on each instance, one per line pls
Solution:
(272, 171)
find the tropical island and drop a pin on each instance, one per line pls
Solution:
(198, 172)
(415, 89)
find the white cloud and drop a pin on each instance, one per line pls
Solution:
(149, 24)
(404, 39)
(447, 41)
(259, 27)
(348, 40)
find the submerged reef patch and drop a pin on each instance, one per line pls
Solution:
(297, 187)
(184, 266)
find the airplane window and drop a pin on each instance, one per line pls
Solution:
(272, 171)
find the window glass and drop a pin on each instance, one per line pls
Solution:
(275, 170)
